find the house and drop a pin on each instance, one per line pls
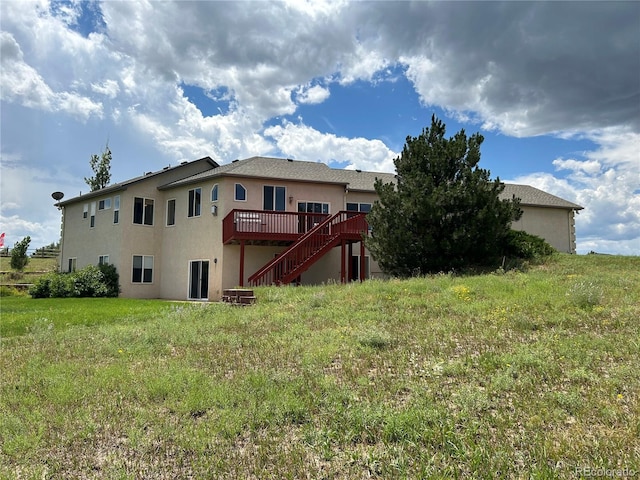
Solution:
(192, 230)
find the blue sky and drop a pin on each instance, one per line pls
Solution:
(554, 87)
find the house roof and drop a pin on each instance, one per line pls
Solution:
(290, 170)
(316, 172)
(354, 180)
(532, 196)
(123, 185)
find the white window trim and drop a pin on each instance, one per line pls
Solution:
(153, 270)
(116, 209)
(175, 208)
(194, 203)
(217, 187)
(143, 224)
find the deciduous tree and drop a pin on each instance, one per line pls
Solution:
(101, 166)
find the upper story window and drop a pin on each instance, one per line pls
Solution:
(195, 201)
(214, 193)
(359, 207)
(273, 198)
(104, 204)
(143, 211)
(93, 214)
(171, 212)
(85, 210)
(116, 209)
(103, 259)
(240, 193)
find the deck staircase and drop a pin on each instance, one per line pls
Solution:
(311, 247)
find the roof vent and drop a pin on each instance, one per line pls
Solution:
(236, 160)
(289, 160)
(184, 163)
(148, 173)
(165, 168)
(358, 170)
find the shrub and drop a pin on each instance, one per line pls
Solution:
(89, 282)
(42, 287)
(525, 246)
(61, 285)
(111, 279)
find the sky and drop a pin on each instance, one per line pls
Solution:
(554, 88)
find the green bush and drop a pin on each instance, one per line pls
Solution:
(525, 246)
(61, 285)
(90, 281)
(111, 279)
(42, 287)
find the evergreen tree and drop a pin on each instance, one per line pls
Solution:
(101, 166)
(19, 258)
(444, 212)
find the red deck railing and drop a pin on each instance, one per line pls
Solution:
(268, 225)
(311, 247)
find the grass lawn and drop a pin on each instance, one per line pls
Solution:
(516, 375)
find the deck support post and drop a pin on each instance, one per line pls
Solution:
(350, 263)
(361, 260)
(342, 255)
(241, 282)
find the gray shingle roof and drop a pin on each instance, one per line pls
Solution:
(291, 170)
(355, 180)
(532, 196)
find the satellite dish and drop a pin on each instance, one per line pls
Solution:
(57, 196)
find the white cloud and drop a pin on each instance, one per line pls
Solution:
(607, 184)
(312, 95)
(305, 143)
(109, 88)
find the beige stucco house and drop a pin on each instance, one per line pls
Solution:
(192, 230)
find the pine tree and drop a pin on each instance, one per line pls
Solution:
(19, 258)
(444, 212)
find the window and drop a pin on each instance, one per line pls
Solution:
(104, 204)
(359, 207)
(171, 212)
(307, 222)
(313, 207)
(241, 193)
(273, 198)
(214, 193)
(85, 210)
(72, 264)
(143, 211)
(116, 209)
(103, 259)
(195, 199)
(142, 269)
(93, 215)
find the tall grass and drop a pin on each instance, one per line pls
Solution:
(516, 375)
